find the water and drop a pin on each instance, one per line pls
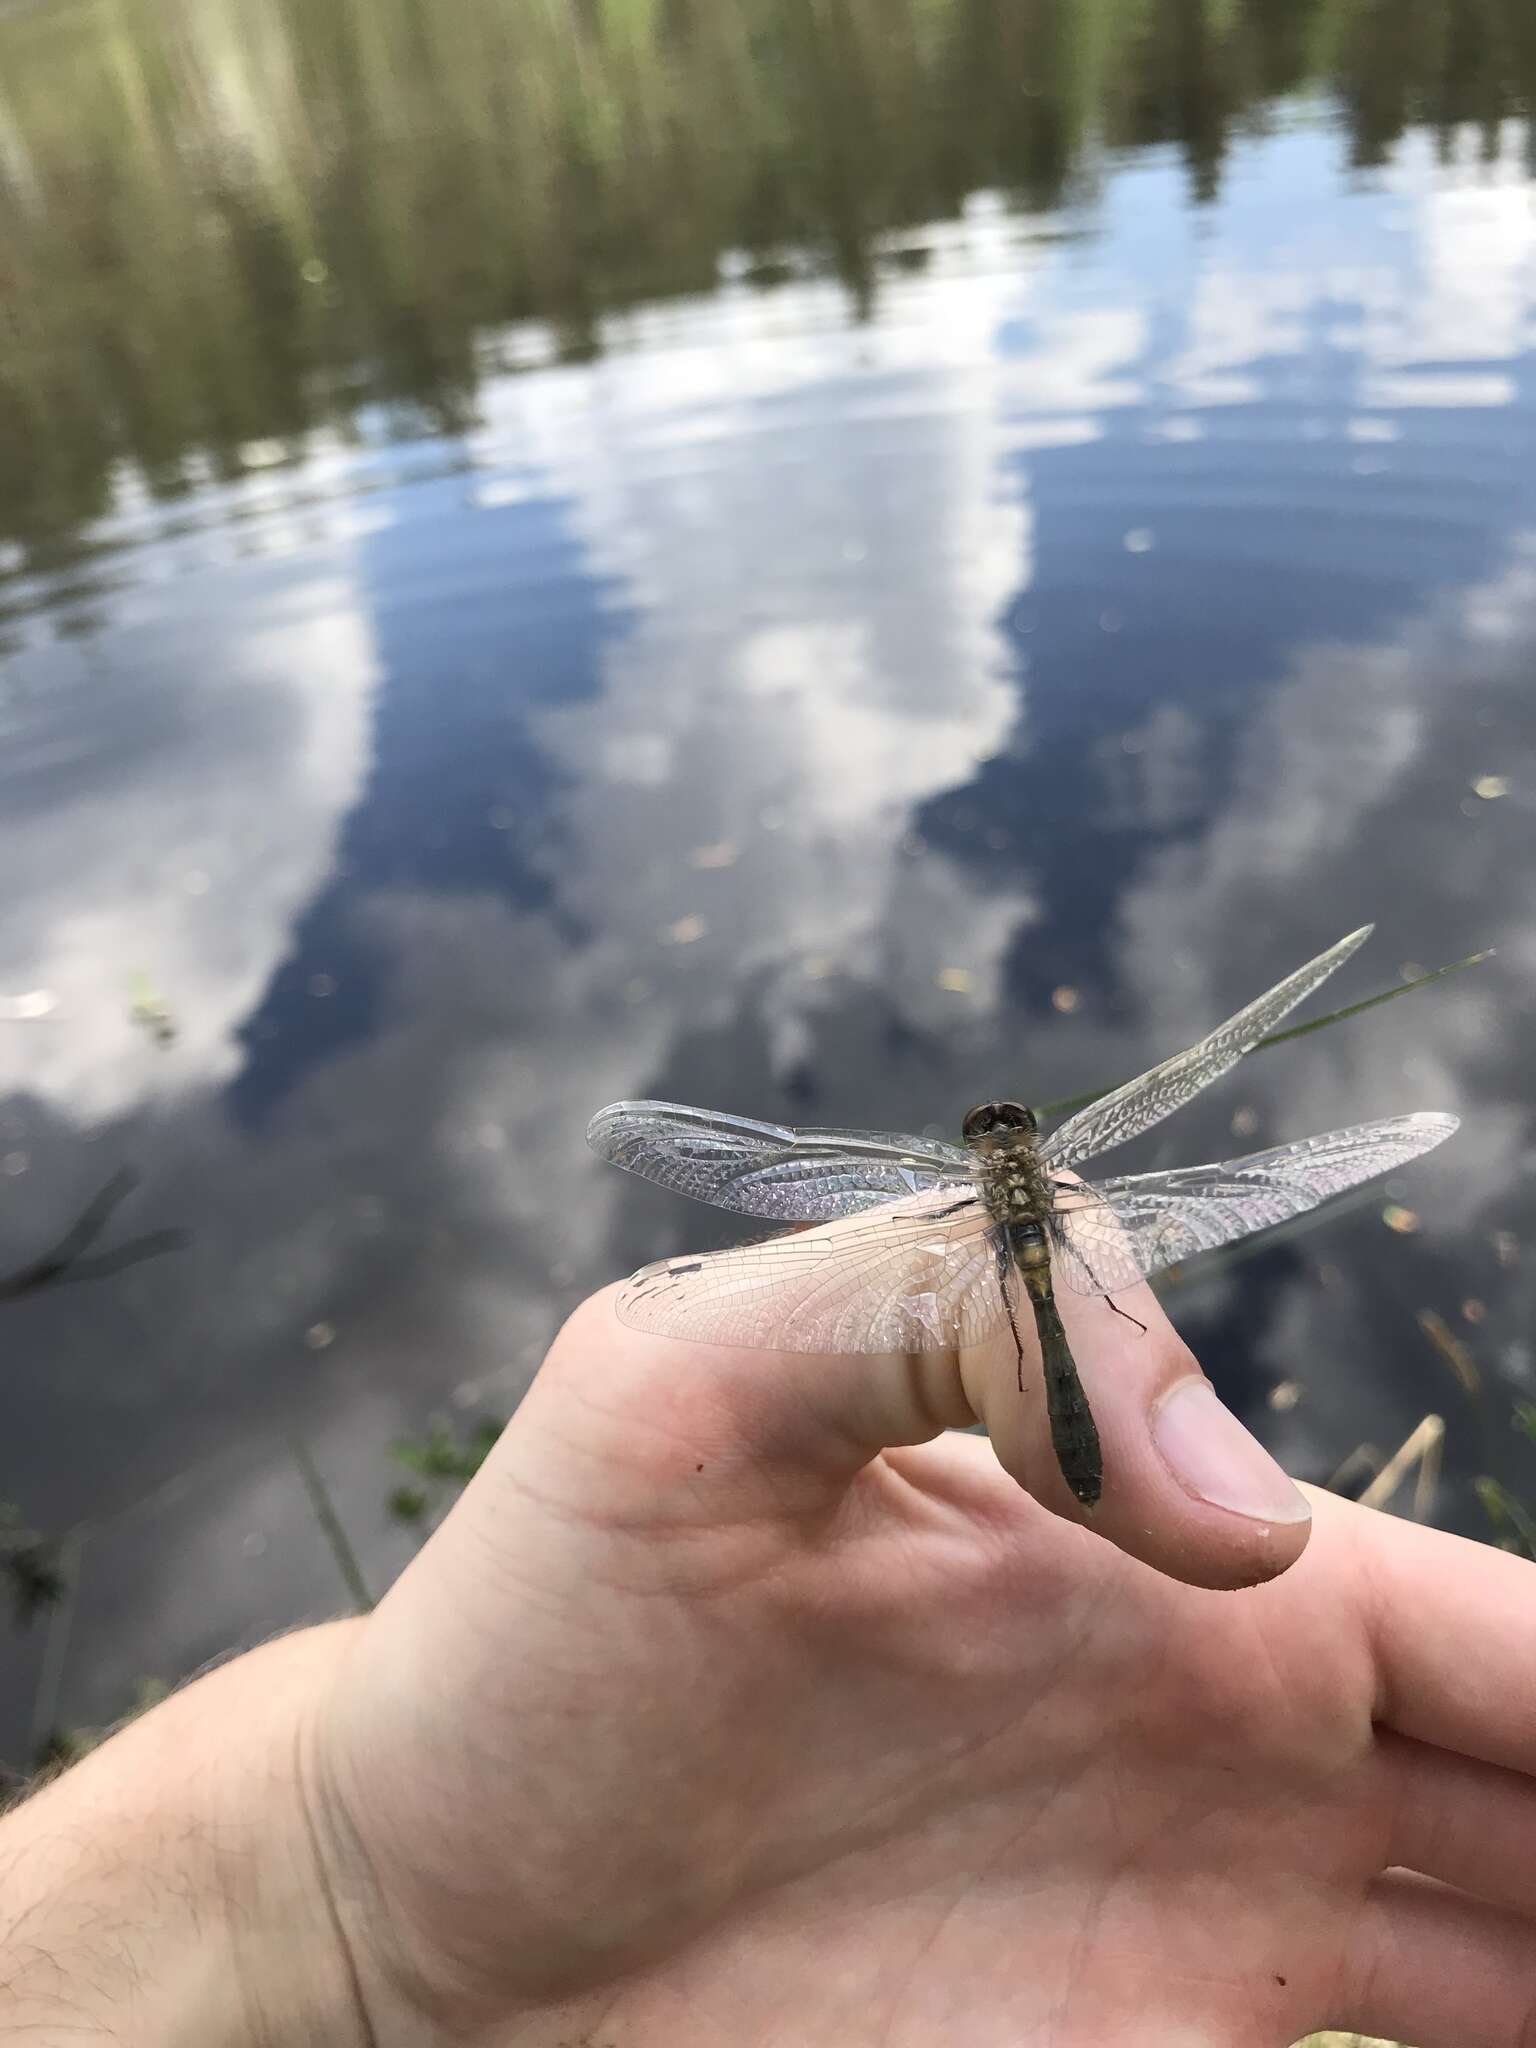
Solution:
(825, 563)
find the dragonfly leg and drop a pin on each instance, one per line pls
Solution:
(1004, 1264)
(1128, 1316)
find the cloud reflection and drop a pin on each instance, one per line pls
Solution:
(167, 820)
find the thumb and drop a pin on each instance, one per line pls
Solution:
(686, 1428)
(1186, 1488)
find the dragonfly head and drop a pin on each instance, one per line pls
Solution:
(991, 1126)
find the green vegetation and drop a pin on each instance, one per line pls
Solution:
(226, 224)
(1513, 1521)
(442, 1463)
(30, 1565)
(61, 1747)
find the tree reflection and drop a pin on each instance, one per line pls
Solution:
(229, 222)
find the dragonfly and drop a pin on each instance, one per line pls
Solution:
(948, 1243)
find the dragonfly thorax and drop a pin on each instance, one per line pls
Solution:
(1010, 1174)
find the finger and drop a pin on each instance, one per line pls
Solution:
(787, 1425)
(1186, 1489)
(1429, 1965)
(1449, 1623)
(1465, 1823)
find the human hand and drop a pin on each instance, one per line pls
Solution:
(712, 1716)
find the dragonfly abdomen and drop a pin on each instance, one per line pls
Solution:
(1074, 1435)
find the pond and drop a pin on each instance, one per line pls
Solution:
(823, 560)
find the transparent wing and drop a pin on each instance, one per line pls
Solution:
(1092, 1252)
(772, 1170)
(1129, 1110)
(1111, 1235)
(915, 1277)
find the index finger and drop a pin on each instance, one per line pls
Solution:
(1452, 1625)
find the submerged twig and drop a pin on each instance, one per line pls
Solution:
(1451, 1349)
(66, 1261)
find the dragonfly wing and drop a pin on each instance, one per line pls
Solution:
(1135, 1107)
(1136, 1225)
(1092, 1252)
(916, 1277)
(758, 1169)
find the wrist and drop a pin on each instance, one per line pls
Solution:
(168, 1888)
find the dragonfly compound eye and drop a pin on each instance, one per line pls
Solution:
(989, 1117)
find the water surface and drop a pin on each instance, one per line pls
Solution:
(823, 563)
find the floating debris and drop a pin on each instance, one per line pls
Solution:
(1138, 541)
(724, 853)
(1404, 1221)
(1490, 786)
(818, 966)
(1473, 1310)
(320, 1336)
(151, 1012)
(15, 1163)
(1284, 1396)
(322, 984)
(686, 931)
(1065, 999)
(1506, 1247)
(500, 819)
(1451, 1349)
(958, 980)
(1245, 1122)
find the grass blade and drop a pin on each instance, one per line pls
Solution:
(330, 1524)
(1385, 995)
(1068, 1103)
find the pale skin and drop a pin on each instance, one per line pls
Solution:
(740, 1705)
